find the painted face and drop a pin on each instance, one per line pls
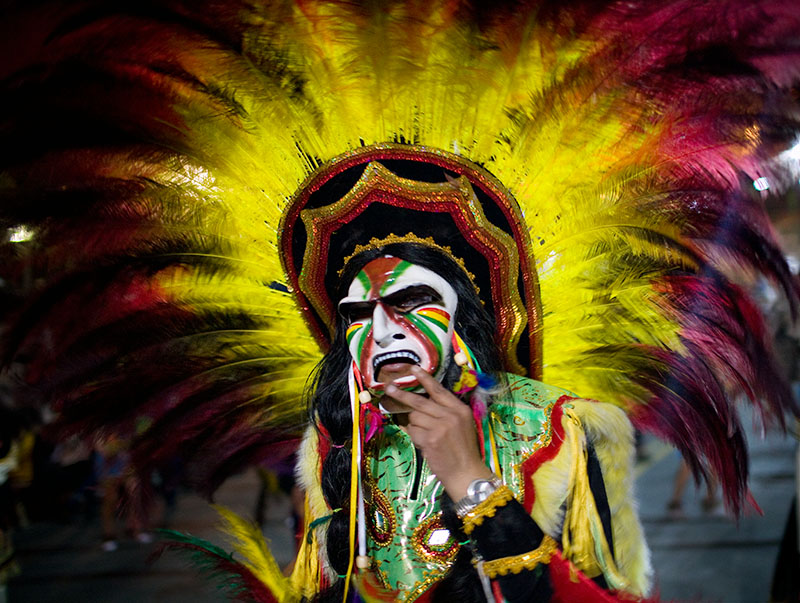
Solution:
(398, 314)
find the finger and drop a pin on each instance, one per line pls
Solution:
(425, 421)
(421, 421)
(438, 392)
(418, 435)
(413, 401)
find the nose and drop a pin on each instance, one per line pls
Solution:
(384, 329)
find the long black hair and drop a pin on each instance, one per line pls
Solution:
(329, 400)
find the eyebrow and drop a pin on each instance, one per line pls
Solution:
(410, 291)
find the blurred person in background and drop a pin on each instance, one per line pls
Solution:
(112, 467)
(22, 476)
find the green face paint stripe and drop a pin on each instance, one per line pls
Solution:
(364, 280)
(435, 320)
(401, 267)
(420, 324)
(364, 333)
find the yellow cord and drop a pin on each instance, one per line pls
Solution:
(354, 477)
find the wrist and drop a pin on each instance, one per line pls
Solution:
(479, 492)
(456, 486)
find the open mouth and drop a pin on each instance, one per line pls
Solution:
(403, 356)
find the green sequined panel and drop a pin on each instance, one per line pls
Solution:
(410, 546)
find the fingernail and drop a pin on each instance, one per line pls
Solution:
(391, 389)
(415, 368)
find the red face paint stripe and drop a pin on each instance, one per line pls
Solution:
(398, 270)
(378, 271)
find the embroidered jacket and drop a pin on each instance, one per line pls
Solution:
(567, 461)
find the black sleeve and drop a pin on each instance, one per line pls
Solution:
(513, 532)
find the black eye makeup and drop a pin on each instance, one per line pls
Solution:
(413, 297)
(402, 301)
(355, 311)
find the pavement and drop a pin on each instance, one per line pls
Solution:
(701, 557)
(64, 562)
(711, 557)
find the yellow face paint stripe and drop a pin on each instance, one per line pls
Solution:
(351, 330)
(435, 315)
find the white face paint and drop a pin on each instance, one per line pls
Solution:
(399, 314)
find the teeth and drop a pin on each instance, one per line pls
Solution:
(389, 356)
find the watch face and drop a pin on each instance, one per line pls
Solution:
(479, 490)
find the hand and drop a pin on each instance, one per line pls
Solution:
(442, 427)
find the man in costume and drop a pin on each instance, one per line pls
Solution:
(475, 483)
(182, 184)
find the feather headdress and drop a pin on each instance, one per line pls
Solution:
(151, 151)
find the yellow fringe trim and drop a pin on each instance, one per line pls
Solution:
(526, 561)
(305, 576)
(311, 560)
(583, 537)
(611, 434)
(564, 503)
(487, 508)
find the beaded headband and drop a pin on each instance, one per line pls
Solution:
(410, 237)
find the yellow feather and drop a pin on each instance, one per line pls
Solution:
(249, 542)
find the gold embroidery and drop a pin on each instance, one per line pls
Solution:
(487, 508)
(517, 563)
(380, 520)
(443, 552)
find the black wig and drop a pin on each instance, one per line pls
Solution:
(329, 400)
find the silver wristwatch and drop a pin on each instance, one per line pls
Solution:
(478, 491)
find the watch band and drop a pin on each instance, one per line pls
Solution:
(477, 491)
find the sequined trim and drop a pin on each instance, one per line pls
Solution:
(422, 586)
(381, 531)
(487, 508)
(421, 541)
(517, 563)
(457, 197)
